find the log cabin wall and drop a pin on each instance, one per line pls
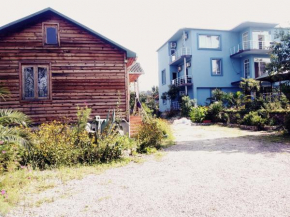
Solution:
(85, 70)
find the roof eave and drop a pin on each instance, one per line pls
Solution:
(9, 25)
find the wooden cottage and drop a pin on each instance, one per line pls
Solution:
(52, 64)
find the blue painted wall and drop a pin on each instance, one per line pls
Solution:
(200, 70)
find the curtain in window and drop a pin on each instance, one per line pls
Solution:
(42, 82)
(209, 41)
(215, 41)
(216, 67)
(28, 82)
(203, 41)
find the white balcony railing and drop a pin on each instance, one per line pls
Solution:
(179, 53)
(250, 45)
(183, 80)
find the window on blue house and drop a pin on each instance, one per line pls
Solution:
(209, 42)
(164, 101)
(247, 68)
(51, 36)
(163, 74)
(216, 66)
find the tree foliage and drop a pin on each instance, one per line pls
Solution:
(280, 54)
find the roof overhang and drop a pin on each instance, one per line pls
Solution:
(238, 28)
(31, 18)
(275, 77)
(135, 71)
(253, 25)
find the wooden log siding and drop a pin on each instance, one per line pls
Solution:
(86, 70)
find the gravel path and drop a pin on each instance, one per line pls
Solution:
(212, 171)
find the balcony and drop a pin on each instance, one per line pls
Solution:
(250, 47)
(182, 81)
(179, 55)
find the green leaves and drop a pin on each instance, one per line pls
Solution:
(10, 117)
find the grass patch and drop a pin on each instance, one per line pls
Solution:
(159, 155)
(104, 198)
(44, 200)
(20, 184)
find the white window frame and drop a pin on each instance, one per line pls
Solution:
(210, 44)
(247, 64)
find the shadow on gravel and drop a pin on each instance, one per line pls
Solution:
(250, 144)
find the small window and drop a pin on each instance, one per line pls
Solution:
(216, 66)
(50, 36)
(209, 42)
(163, 74)
(247, 68)
(35, 82)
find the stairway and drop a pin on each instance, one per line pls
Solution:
(135, 123)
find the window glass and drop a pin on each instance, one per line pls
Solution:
(42, 82)
(51, 35)
(247, 68)
(28, 82)
(163, 77)
(35, 84)
(209, 41)
(216, 66)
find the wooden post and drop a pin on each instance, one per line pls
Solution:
(127, 91)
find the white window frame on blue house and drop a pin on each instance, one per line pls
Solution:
(163, 76)
(209, 45)
(220, 66)
(247, 68)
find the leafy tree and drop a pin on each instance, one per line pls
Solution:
(280, 54)
(280, 60)
(172, 93)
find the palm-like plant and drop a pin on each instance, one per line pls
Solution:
(4, 92)
(9, 120)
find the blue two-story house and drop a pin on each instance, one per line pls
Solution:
(200, 60)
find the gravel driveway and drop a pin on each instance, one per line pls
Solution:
(212, 171)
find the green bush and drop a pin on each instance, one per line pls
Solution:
(186, 105)
(10, 156)
(225, 118)
(149, 135)
(253, 119)
(214, 111)
(287, 122)
(198, 114)
(165, 128)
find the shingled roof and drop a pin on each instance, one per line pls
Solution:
(31, 18)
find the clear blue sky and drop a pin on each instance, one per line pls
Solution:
(144, 25)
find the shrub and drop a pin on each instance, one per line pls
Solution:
(198, 114)
(149, 135)
(287, 122)
(171, 113)
(225, 117)
(10, 157)
(186, 105)
(165, 128)
(237, 118)
(253, 119)
(214, 111)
